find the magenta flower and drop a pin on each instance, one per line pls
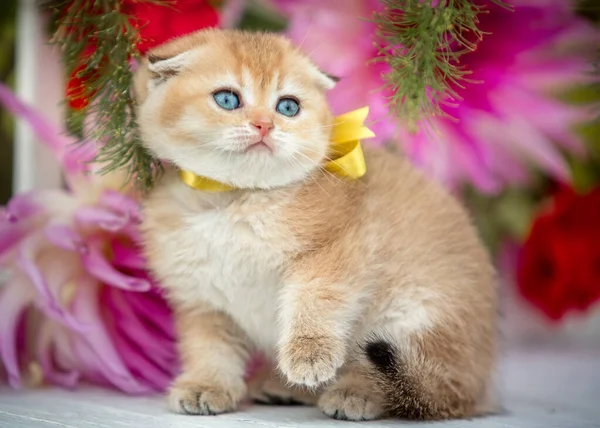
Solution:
(507, 123)
(76, 300)
(513, 120)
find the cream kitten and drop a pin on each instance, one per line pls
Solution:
(376, 294)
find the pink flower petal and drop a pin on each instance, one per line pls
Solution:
(99, 267)
(154, 311)
(22, 207)
(132, 327)
(45, 131)
(45, 354)
(10, 236)
(127, 257)
(13, 302)
(49, 303)
(97, 350)
(121, 203)
(101, 218)
(65, 237)
(538, 146)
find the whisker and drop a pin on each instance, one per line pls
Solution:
(327, 158)
(320, 167)
(320, 127)
(328, 174)
(311, 176)
(317, 153)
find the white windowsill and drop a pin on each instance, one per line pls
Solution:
(542, 389)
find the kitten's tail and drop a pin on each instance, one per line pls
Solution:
(414, 388)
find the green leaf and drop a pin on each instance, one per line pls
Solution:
(108, 81)
(423, 45)
(258, 17)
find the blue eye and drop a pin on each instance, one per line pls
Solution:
(288, 107)
(227, 100)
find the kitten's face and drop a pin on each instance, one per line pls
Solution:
(242, 108)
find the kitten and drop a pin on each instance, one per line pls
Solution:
(371, 297)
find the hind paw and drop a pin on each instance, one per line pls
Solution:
(350, 402)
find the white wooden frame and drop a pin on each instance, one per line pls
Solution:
(39, 82)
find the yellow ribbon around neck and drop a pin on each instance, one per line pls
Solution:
(347, 159)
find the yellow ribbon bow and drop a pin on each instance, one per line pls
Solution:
(347, 159)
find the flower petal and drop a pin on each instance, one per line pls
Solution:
(45, 351)
(101, 218)
(98, 266)
(155, 311)
(65, 237)
(45, 131)
(97, 349)
(127, 257)
(121, 203)
(156, 348)
(15, 297)
(49, 303)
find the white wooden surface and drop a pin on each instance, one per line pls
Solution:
(557, 388)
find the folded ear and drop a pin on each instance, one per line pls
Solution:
(161, 69)
(324, 80)
(332, 77)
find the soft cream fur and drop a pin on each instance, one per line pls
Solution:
(375, 293)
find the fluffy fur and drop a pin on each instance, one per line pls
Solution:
(376, 294)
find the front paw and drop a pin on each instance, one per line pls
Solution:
(311, 361)
(192, 398)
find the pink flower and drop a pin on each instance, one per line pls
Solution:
(505, 124)
(513, 120)
(338, 37)
(76, 299)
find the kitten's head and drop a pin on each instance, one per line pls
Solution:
(247, 109)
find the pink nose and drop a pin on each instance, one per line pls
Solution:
(263, 126)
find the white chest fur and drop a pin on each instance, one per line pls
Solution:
(229, 254)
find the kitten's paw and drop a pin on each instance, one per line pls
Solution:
(311, 361)
(192, 398)
(350, 402)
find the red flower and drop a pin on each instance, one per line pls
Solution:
(158, 24)
(559, 265)
(76, 90)
(78, 93)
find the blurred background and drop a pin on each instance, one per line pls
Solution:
(519, 144)
(8, 17)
